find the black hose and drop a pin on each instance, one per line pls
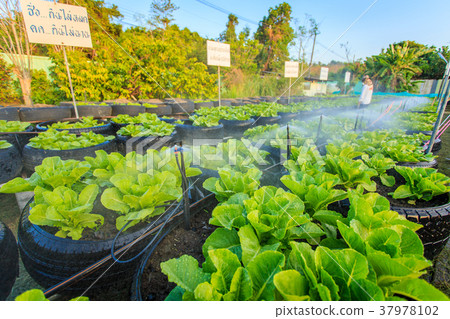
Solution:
(146, 247)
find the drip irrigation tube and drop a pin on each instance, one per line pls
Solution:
(80, 275)
(146, 247)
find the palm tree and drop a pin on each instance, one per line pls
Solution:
(396, 66)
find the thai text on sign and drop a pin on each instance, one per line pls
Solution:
(291, 69)
(55, 23)
(218, 53)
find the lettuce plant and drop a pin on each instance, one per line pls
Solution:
(66, 210)
(4, 145)
(84, 122)
(352, 173)
(421, 183)
(233, 182)
(135, 130)
(378, 256)
(13, 126)
(209, 120)
(63, 140)
(137, 198)
(239, 154)
(316, 191)
(52, 173)
(381, 164)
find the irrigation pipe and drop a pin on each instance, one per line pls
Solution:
(80, 275)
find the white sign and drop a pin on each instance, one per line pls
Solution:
(291, 69)
(54, 23)
(347, 77)
(218, 53)
(323, 74)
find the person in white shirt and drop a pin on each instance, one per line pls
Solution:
(366, 93)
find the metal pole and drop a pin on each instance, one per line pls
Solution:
(442, 86)
(289, 98)
(441, 109)
(218, 73)
(70, 82)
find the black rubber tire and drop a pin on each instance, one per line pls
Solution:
(222, 103)
(170, 121)
(163, 109)
(432, 164)
(182, 106)
(42, 114)
(93, 110)
(236, 128)
(288, 116)
(141, 144)
(436, 226)
(10, 164)
(187, 133)
(50, 260)
(117, 126)
(199, 105)
(104, 129)
(19, 140)
(436, 146)
(409, 132)
(33, 157)
(9, 114)
(262, 120)
(9, 261)
(132, 110)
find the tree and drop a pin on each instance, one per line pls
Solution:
(275, 33)
(229, 35)
(161, 13)
(396, 66)
(15, 44)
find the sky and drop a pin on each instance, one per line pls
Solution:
(386, 22)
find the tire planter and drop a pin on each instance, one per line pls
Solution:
(104, 129)
(262, 120)
(93, 110)
(187, 133)
(197, 207)
(9, 261)
(9, 114)
(132, 110)
(222, 103)
(33, 157)
(19, 140)
(141, 144)
(199, 105)
(163, 109)
(288, 116)
(50, 260)
(432, 164)
(10, 164)
(181, 106)
(236, 128)
(42, 114)
(409, 132)
(436, 226)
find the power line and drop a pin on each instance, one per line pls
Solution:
(215, 7)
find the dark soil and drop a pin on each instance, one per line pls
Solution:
(154, 284)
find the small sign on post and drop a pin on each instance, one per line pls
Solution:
(58, 24)
(323, 74)
(346, 80)
(290, 71)
(218, 54)
(347, 77)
